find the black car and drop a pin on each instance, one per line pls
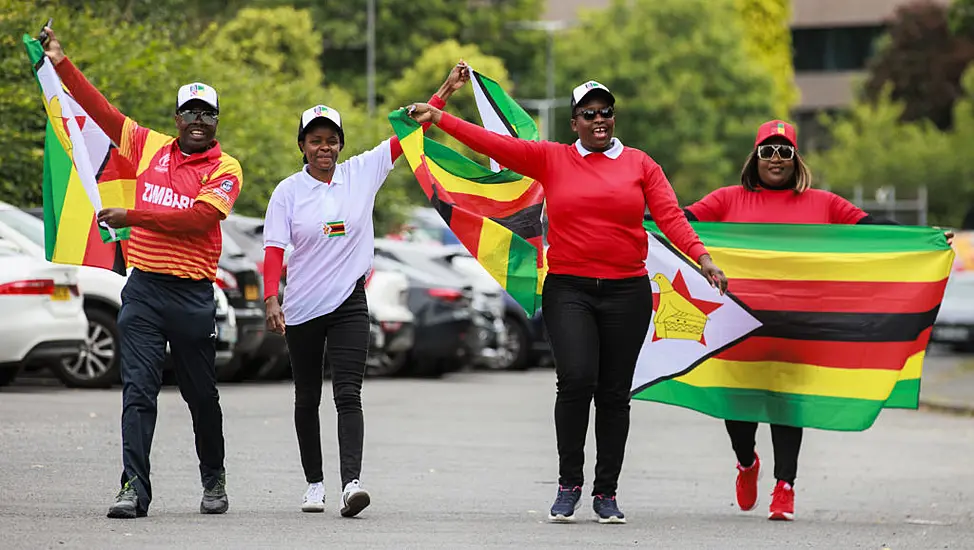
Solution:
(443, 320)
(270, 362)
(238, 277)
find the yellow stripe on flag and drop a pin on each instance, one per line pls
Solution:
(494, 250)
(906, 267)
(796, 378)
(501, 192)
(74, 223)
(117, 193)
(412, 147)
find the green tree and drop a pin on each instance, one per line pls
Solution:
(768, 39)
(923, 61)
(418, 83)
(686, 91)
(405, 28)
(873, 147)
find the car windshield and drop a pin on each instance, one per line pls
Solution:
(959, 286)
(230, 246)
(24, 223)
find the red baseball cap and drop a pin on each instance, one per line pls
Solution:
(777, 128)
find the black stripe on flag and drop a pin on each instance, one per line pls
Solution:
(493, 105)
(844, 327)
(525, 223)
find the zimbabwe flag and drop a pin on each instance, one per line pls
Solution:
(495, 215)
(822, 326)
(83, 173)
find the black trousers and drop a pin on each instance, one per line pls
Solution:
(787, 441)
(347, 332)
(157, 309)
(596, 328)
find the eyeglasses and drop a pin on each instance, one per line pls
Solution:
(785, 152)
(206, 117)
(589, 114)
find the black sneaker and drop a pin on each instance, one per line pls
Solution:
(567, 501)
(608, 509)
(215, 500)
(126, 504)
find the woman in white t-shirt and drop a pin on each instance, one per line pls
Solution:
(325, 212)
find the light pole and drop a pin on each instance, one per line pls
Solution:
(545, 106)
(370, 57)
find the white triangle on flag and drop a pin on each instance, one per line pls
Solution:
(692, 321)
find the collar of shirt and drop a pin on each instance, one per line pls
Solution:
(314, 182)
(613, 152)
(211, 154)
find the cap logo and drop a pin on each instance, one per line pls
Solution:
(781, 128)
(590, 85)
(320, 110)
(197, 89)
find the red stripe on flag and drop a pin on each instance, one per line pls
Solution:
(425, 179)
(97, 253)
(466, 227)
(842, 355)
(837, 296)
(498, 209)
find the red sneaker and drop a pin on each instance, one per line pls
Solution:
(747, 485)
(782, 502)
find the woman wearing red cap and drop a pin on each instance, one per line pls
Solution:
(775, 188)
(596, 299)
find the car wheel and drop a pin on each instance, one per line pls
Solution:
(97, 364)
(517, 349)
(8, 375)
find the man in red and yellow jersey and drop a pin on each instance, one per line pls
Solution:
(184, 187)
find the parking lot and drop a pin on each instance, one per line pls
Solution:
(468, 461)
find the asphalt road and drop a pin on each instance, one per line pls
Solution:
(469, 462)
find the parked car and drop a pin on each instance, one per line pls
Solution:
(392, 324)
(485, 334)
(97, 365)
(44, 319)
(238, 277)
(954, 325)
(526, 343)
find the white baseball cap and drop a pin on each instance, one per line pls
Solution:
(580, 92)
(321, 111)
(200, 91)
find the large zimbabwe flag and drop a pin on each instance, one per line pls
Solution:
(83, 173)
(495, 215)
(823, 326)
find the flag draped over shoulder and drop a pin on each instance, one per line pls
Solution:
(496, 215)
(822, 326)
(83, 173)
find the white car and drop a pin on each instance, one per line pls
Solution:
(43, 320)
(392, 322)
(97, 364)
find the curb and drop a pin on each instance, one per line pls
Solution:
(946, 406)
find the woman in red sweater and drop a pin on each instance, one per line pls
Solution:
(775, 188)
(597, 300)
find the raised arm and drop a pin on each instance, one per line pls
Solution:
(522, 156)
(458, 76)
(91, 100)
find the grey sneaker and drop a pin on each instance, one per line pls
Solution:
(215, 500)
(126, 504)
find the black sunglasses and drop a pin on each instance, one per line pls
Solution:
(206, 117)
(589, 114)
(785, 152)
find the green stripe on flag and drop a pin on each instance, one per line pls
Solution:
(836, 238)
(905, 395)
(810, 411)
(57, 173)
(522, 272)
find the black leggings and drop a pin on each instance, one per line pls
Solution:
(787, 441)
(596, 328)
(347, 332)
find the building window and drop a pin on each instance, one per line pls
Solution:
(834, 49)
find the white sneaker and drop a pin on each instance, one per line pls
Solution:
(314, 498)
(354, 499)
